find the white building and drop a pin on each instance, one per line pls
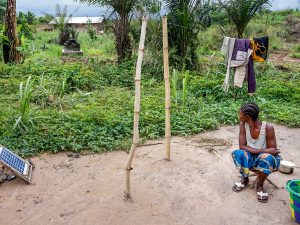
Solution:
(81, 22)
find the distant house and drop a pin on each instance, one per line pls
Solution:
(81, 22)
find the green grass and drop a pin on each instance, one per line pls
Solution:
(295, 52)
(88, 104)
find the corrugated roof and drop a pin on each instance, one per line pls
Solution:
(80, 20)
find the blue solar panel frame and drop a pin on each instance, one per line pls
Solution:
(16, 164)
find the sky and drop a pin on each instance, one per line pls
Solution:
(40, 6)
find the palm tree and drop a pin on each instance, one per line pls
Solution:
(60, 21)
(10, 53)
(240, 12)
(121, 13)
(185, 20)
(30, 17)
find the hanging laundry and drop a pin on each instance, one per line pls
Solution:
(260, 48)
(251, 77)
(240, 61)
(238, 55)
(227, 49)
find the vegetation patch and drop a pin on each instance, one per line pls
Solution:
(53, 104)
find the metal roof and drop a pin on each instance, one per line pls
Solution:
(79, 20)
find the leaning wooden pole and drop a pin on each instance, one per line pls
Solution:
(167, 88)
(137, 104)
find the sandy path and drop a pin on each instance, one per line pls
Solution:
(194, 188)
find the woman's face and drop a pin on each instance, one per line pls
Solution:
(243, 117)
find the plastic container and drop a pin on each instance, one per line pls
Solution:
(293, 187)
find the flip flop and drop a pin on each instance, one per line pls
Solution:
(238, 186)
(262, 196)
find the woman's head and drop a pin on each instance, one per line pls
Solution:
(249, 111)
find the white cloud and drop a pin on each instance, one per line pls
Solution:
(285, 4)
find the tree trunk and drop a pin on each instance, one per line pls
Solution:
(10, 53)
(123, 43)
(240, 32)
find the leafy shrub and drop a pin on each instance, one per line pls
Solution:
(24, 22)
(91, 31)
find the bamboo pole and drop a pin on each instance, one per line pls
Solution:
(137, 107)
(167, 88)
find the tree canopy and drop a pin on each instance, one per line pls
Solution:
(240, 12)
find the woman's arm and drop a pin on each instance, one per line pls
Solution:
(270, 136)
(270, 141)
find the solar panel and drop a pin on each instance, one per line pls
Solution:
(16, 164)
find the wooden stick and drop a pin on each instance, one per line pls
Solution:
(167, 87)
(137, 104)
(270, 182)
(256, 180)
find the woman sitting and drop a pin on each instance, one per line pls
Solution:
(258, 150)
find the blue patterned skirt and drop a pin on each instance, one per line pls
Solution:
(264, 162)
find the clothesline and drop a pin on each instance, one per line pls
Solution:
(175, 25)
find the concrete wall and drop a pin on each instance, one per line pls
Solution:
(97, 26)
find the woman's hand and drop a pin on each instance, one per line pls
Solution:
(272, 151)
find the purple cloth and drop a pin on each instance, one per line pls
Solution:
(243, 45)
(251, 76)
(240, 45)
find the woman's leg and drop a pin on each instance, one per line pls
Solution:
(265, 165)
(243, 162)
(261, 179)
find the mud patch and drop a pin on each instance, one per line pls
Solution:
(213, 144)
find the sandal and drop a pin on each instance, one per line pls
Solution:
(238, 186)
(262, 196)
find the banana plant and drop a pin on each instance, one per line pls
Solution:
(3, 38)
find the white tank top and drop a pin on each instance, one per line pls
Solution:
(260, 142)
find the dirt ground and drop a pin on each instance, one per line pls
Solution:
(193, 189)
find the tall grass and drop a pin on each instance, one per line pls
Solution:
(179, 96)
(174, 94)
(25, 94)
(184, 88)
